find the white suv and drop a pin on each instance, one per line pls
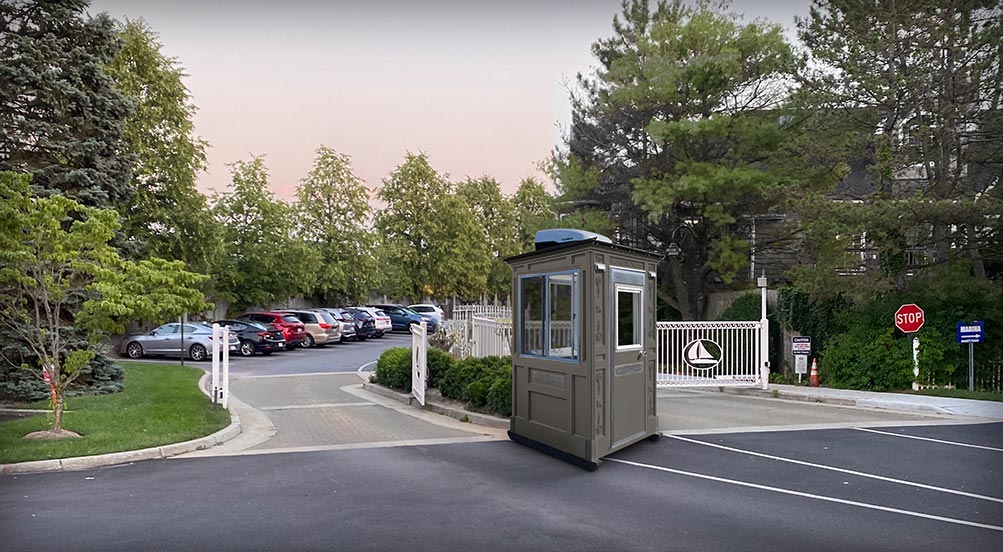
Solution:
(431, 310)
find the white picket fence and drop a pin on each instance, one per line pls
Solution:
(490, 337)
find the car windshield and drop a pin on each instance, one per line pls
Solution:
(422, 309)
(290, 318)
(363, 315)
(407, 310)
(254, 325)
(381, 313)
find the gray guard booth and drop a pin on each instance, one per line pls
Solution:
(583, 355)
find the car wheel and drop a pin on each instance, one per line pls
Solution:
(134, 350)
(246, 348)
(198, 352)
(309, 341)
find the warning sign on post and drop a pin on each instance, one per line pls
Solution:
(801, 345)
(801, 364)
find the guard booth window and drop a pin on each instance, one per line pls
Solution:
(628, 317)
(549, 306)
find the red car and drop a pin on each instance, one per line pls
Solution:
(292, 328)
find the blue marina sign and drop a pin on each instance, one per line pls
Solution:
(971, 332)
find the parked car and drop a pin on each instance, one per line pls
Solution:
(401, 317)
(347, 323)
(255, 337)
(166, 341)
(319, 332)
(291, 327)
(383, 323)
(433, 311)
(334, 330)
(365, 324)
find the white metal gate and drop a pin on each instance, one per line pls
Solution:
(711, 354)
(419, 361)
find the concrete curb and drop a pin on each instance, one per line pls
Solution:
(840, 401)
(439, 407)
(113, 458)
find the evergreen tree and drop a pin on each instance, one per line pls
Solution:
(62, 117)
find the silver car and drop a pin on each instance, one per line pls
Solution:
(166, 341)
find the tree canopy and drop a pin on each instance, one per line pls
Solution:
(166, 216)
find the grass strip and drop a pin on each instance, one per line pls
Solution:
(159, 405)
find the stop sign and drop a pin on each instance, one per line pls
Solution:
(909, 318)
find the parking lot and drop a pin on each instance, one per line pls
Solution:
(349, 356)
(909, 488)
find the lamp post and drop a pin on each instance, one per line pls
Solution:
(673, 252)
(764, 335)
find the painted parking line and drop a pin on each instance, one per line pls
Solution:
(363, 367)
(840, 470)
(955, 443)
(809, 495)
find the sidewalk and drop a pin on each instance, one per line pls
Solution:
(900, 402)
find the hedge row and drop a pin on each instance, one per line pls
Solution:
(482, 383)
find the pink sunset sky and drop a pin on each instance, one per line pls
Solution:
(481, 87)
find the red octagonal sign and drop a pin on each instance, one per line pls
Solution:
(909, 318)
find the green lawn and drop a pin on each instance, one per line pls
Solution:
(161, 404)
(963, 394)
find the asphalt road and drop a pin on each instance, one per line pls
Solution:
(766, 491)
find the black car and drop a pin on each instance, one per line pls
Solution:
(365, 324)
(255, 337)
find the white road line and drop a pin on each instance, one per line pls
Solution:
(841, 470)
(809, 495)
(928, 439)
(320, 405)
(362, 368)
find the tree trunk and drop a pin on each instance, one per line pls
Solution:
(57, 425)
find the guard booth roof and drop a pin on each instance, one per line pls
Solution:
(546, 239)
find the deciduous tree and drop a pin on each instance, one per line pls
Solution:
(263, 261)
(332, 209)
(55, 254)
(166, 216)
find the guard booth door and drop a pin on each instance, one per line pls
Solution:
(628, 402)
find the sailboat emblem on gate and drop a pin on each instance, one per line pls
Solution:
(702, 354)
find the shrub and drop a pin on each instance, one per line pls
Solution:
(481, 382)
(439, 362)
(500, 394)
(393, 369)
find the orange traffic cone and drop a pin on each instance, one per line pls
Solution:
(813, 379)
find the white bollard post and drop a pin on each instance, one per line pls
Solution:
(216, 333)
(225, 344)
(915, 364)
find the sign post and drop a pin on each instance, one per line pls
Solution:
(910, 318)
(971, 333)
